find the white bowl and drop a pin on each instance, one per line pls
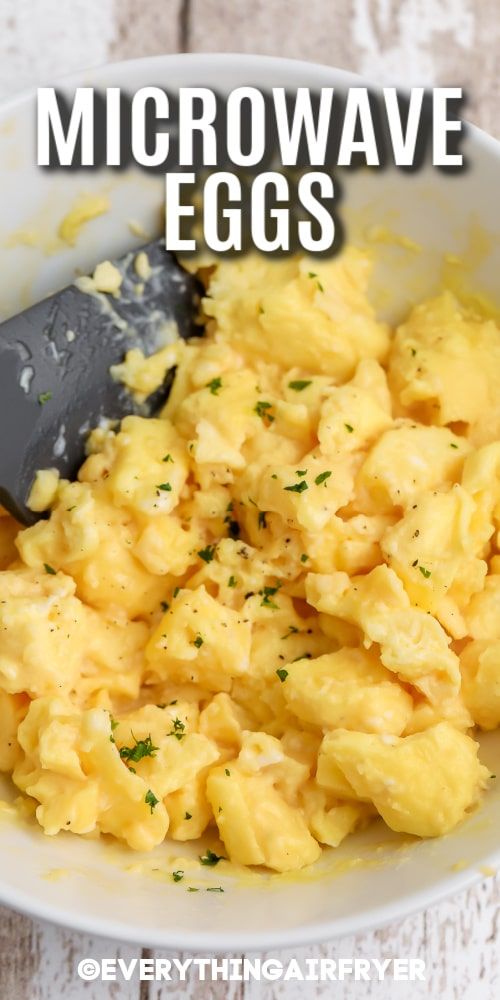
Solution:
(375, 877)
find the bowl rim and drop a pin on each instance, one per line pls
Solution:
(321, 930)
(201, 942)
(214, 59)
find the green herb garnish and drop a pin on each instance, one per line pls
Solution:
(266, 593)
(151, 800)
(282, 674)
(323, 476)
(166, 487)
(297, 487)
(178, 730)
(299, 384)
(142, 748)
(207, 553)
(262, 409)
(178, 875)
(425, 572)
(198, 642)
(318, 282)
(210, 859)
(44, 397)
(214, 386)
(232, 581)
(292, 630)
(49, 569)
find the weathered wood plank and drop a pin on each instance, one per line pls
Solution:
(147, 29)
(39, 961)
(418, 42)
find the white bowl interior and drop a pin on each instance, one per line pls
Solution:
(376, 876)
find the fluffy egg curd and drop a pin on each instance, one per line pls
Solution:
(272, 612)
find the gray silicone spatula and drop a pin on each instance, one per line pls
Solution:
(55, 383)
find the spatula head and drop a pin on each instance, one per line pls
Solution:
(55, 359)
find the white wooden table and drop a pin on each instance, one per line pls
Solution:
(418, 41)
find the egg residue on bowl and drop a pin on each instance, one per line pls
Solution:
(274, 609)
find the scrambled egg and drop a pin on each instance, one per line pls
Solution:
(273, 611)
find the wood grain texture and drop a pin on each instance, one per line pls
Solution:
(389, 41)
(415, 41)
(147, 29)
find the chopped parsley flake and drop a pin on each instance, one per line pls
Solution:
(164, 605)
(282, 674)
(49, 569)
(44, 397)
(297, 487)
(262, 409)
(214, 386)
(215, 888)
(323, 476)
(299, 384)
(151, 800)
(301, 472)
(167, 458)
(176, 591)
(142, 748)
(198, 642)
(178, 875)
(318, 282)
(452, 445)
(191, 888)
(232, 581)
(166, 487)
(188, 815)
(207, 553)
(413, 352)
(266, 594)
(227, 772)
(304, 557)
(425, 572)
(349, 428)
(210, 859)
(292, 630)
(178, 730)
